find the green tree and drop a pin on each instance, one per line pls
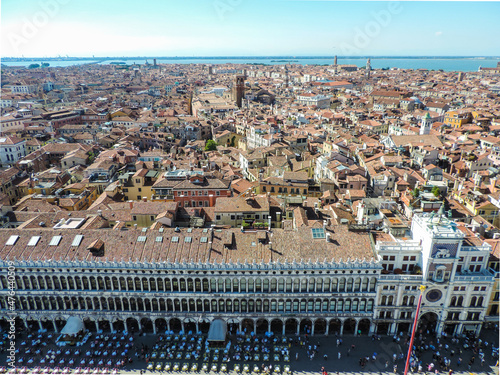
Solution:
(415, 193)
(33, 66)
(233, 141)
(435, 190)
(211, 145)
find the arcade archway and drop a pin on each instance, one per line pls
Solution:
(277, 326)
(428, 322)
(334, 326)
(349, 326)
(291, 326)
(320, 327)
(261, 326)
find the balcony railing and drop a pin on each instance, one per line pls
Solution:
(383, 277)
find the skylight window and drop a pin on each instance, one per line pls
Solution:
(12, 240)
(204, 239)
(318, 233)
(175, 239)
(141, 239)
(55, 241)
(33, 240)
(187, 239)
(159, 239)
(77, 241)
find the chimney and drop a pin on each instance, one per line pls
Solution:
(144, 199)
(99, 212)
(131, 203)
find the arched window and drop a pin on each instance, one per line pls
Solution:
(364, 285)
(357, 284)
(258, 285)
(175, 285)
(347, 305)
(355, 305)
(265, 287)
(369, 305)
(473, 301)
(340, 304)
(349, 284)
(362, 305)
(251, 286)
(251, 306)
(372, 284)
(311, 285)
(342, 284)
(273, 285)
(327, 284)
(281, 285)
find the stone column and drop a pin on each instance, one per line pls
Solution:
(341, 328)
(356, 328)
(298, 328)
(312, 328)
(327, 331)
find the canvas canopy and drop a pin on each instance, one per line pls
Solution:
(73, 326)
(217, 331)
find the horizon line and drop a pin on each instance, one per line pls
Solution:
(249, 56)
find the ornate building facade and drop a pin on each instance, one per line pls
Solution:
(320, 279)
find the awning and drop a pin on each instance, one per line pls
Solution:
(73, 326)
(217, 331)
(470, 327)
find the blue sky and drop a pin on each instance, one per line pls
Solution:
(46, 28)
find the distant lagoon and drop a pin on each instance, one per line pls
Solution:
(463, 64)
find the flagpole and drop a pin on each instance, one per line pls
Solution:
(422, 288)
